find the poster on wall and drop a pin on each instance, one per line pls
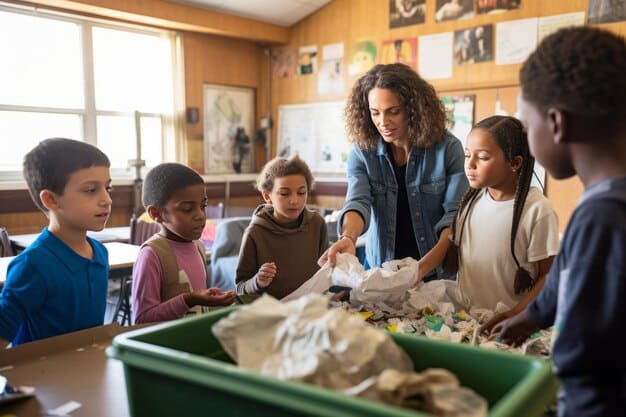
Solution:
(363, 57)
(307, 60)
(316, 133)
(473, 45)
(496, 6)
(399, 50)
(406, 12)
(454, 10)
(283, 63)
(515, 40)
(549, 24)
(604, 11)
(459, 114)
(435, 56)
(228, 129)
(330, 78)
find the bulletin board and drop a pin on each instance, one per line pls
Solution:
(315, 132)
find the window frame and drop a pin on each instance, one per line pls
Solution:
(171, 137)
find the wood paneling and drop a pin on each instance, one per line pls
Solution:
(214, 60)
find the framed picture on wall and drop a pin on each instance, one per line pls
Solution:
(228, 129)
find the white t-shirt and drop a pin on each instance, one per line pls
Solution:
(487, 268)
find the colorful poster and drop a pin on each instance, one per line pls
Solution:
(406, 12)
(363, 57)
(399, 50)
(473, 45)
(496, 6)
(283, 63)
(228, 126)
(459, 115)
(454, 10)
(307, 60)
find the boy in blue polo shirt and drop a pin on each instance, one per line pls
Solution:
(59, 283)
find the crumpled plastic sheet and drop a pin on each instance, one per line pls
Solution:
(304, 340)
(387, 284)
(435, 309)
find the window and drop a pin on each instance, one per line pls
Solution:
(88, 80)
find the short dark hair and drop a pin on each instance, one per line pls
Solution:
(425, 113)
(164, 180)
(281, 167)
(579, 70)
(48, 165)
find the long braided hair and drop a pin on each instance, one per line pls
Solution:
(510, 136)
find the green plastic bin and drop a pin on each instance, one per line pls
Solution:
(180, 369)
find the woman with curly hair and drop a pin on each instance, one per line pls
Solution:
(405, 172)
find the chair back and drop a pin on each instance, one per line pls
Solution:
(225, 251)
(141, 231)
(5, 243)
(214, 211)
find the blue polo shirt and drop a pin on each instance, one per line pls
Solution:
(52, 290)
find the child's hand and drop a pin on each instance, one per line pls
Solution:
(211, 297)
(488, 327)
(516, 330)
(266, 274)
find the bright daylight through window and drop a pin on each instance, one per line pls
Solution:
(82, 79)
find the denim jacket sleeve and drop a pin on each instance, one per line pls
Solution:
(456, 181)
(359, 197)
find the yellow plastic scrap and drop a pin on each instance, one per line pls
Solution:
(366, 314)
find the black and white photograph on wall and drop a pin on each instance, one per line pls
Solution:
(496, 6)
(406, 12)
(454, 10)
(603, 11)
(473, 45)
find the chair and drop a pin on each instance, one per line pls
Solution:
(214, 211)
(5, 243)
(225, 251)
(140, 231)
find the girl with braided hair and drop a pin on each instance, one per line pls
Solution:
(505, 233)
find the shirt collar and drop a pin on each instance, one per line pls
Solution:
(66, 255)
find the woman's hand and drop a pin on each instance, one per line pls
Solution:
(343, 245)
(266, 274)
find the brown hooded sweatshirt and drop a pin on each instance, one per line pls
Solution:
(295, 251)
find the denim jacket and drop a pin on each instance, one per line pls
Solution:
(435, 182)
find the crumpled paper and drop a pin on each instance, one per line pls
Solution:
(304, 340)
(387, 284)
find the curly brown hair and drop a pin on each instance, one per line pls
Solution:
(425, 112)
(282, 167)
(579, 70)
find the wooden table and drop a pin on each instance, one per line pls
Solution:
(70, 367)
(122, 257)
(108, 234)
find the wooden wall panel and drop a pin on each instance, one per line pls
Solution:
(215, 60)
